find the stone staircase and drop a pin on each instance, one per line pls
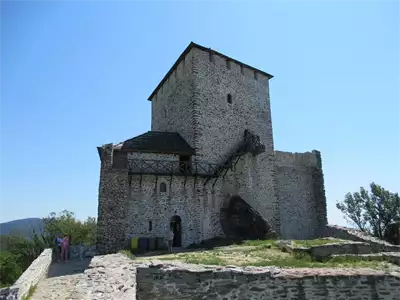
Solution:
(250, 144)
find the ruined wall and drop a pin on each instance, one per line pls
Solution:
(199, 282)
(172, 106)
(301, 194)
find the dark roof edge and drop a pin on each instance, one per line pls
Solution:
(186, 51)
(193, 152)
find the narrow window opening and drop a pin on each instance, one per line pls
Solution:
(255, 75)
(229, 98)
(210, 56)
(228, 64)
(163, 187)
(150, 226)
(241, 69)
(165, 112)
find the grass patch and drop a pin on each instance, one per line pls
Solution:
(127, 253)
(266, 253)
(261, 243)
(315, 242)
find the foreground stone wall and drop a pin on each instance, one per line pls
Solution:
(171, 282)
(301, 194)
(36, 271)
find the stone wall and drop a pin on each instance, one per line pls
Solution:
(200, 282)
(301, 194)
(172, 107)
(197, 206)
(82, 251)
(325, 251)
(220, 125)
(356, 235)
(36, 271)
(113, 201)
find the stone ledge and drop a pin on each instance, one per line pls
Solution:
(392, 257)
(30, 278)
(327, 250)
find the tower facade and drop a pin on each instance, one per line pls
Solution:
(208, 166)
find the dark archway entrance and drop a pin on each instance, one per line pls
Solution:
(176, 226)
(240, 221)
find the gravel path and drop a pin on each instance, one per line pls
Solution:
(102, 277)
(61, 281)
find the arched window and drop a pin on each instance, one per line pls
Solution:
(163, 187)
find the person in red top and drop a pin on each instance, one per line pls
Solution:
(65, 248)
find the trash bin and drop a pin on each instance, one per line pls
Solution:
(143, 244)
(160, 244)
(152, 243)
(134, 243)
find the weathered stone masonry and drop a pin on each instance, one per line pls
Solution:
(216, 283)
(200, 111)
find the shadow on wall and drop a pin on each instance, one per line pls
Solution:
(240, 221)
(71, 267)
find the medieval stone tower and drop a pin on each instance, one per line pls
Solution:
(208, 167)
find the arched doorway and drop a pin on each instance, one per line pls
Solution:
(176, 226)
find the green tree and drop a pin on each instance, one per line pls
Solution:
(371, 211)
(66, 223)
(10, 269)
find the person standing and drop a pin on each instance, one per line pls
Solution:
(170, 239)
(58, 246)
(64, 248)
(69, 248)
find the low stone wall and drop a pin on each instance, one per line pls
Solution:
(356, 235)
(82, 251)
(327, 250)
(182, 281)
(36, 271)
(392, 257)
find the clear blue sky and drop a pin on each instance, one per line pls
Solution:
(75, 75)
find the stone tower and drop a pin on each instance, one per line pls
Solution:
(211, 99)
(208, 167)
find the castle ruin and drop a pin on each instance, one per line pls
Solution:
(208, 166)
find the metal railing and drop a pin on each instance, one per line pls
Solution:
(165, 167)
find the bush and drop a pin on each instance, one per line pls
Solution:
(10, 270)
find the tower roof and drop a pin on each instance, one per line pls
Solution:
(187, 50)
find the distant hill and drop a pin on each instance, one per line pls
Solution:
(22, 226)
